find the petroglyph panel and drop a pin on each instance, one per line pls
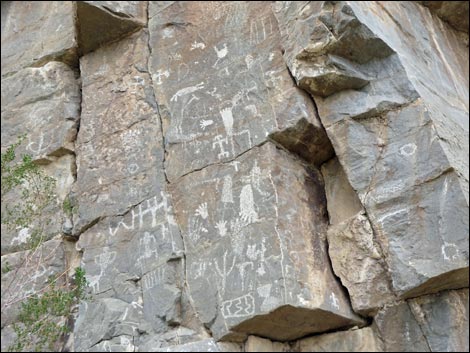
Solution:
(44, 104)
(119, 146)
(254, 235)
(402, 143)
(133, 246)
(412, 195)
(222, 97)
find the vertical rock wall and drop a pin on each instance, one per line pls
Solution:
(246, 176)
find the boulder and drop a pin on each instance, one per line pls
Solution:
(254, 234)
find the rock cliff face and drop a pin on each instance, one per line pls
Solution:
(246, 176)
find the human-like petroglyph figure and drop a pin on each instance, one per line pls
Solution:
(247, 205)
(103, 260)
(227, 193)
(227, 118)
(219, 141)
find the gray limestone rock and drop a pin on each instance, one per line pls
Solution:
(34, 33)
(403, 146)
(398, 330)
(358, 340)
(207, 345)
(25, 273)
(44, 104)
(342, 201)
(106, 322)
(102, 22)
(119, 155)
(433, 323)
(443, 318)
(254, 233)
(223, 90)
(134, 10)
(453, 12)
(357, 261)
(258, 344)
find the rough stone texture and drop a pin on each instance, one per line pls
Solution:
(135, 10)
(358, 340)
(255, 248)
(198, 204)
(119, 155)
(28, 273)
(42, 103)
(342, 200)
(223, 86)
(443, 319)
(35, 33)
(102, 22)
(133, 264)
(258, 344)
(398, 329)
(405, 160)
(355, 254)
(453, 12)
(357, 261)
(430, 323)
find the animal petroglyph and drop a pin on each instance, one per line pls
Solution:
(197, 45)
(221, 53)
(187, 90)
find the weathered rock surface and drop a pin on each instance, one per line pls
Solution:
(102, 22)
(198, 210)
(35, 33)
(342, 200)
(443, 318)
(430, 323)
(358, 340)
(453, 12)
(407, 165)
(42, 104)
(223, 90)
(255, 248)
(357, 261)
(119, 155)
(258, 344)
(25, 273)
